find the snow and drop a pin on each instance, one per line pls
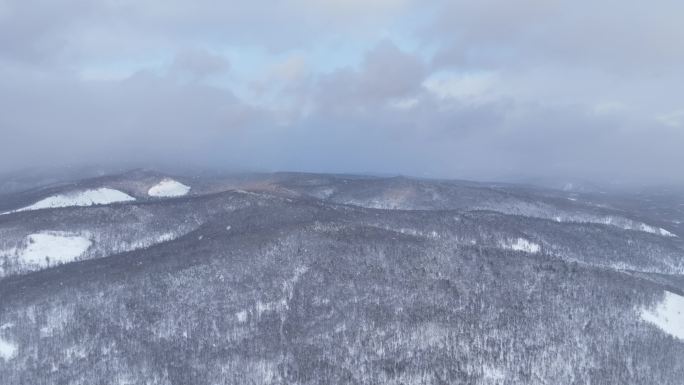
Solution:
(55, 246)
(668, 315)
(665, 233)
(493, 373)
(275, 306)
(627, 224)
(241, 316)
(325, 193)
(50, 248)
(653, 230)
(8, 350)
(100, 196)
(524, 245)
(168, 188)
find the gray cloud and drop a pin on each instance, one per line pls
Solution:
(486, 89)
(611, 34)
(385, 74)
(199, 64)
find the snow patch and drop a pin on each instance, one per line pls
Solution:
(275, 306)
(74, 353)
(100, 196)
(627, 224)
(149, 241)
(668, 315)
(522, 244)
(493, 373)
(50, 248)
(653, 230)
(324, 193)
(665, 233)
(8, 350)
(241, 316)
(168, 188)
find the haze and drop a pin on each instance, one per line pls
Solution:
(459, 89)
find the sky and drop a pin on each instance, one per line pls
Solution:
(487, 89)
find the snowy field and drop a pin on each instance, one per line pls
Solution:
(7, 350)
(668, 315)
(46, 249)
(168, 188)
(100, 196)
(523, 245)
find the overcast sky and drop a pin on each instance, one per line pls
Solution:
(484, 89)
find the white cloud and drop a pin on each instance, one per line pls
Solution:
(404, 103)
(674, 119)
(467, 87)
(609, 107)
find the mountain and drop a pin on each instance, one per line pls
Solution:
(293, 278)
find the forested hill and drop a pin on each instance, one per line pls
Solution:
(290, 278)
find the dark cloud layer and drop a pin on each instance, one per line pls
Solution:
(490, 89)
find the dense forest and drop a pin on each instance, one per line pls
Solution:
(287, 285)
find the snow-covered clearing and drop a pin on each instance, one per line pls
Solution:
(635, 226)
(654, 230)
(667, 315)
(51, 248)
(100, 196)
(522, 244)
(241, 316)
(8, 350)
(168, 188)
(147, 241)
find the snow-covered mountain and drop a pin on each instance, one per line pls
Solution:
(289, 278)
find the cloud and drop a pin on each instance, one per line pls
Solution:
(473, 87)
(612, 35)
(386, 74)
(47, 32)
(674, 119)
(486, 89)
(199, 64)
(144, 117)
